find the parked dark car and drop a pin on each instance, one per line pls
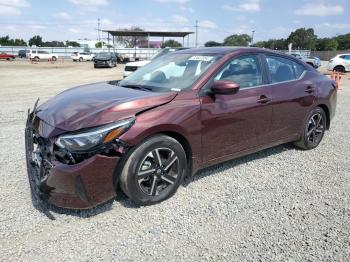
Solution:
(105, 59)
(23, 53)
(176, 115)
(7, 56)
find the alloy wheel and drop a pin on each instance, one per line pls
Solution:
(315, 128)
(158, 171)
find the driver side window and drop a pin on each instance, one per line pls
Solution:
(244, 70)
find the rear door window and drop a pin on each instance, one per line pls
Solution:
(298, 69)
(281, 69)
(244, 70)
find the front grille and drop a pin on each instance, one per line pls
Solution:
(100, 62)
(131, 68)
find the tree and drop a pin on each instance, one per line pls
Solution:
(72, 43)
(237, 40)
(279, 44)
(36, 40)
(325, 44)
(171, 43)
(53, 44)
(303, 38)
(212, 43)
(19, 42)
(100, 44)
(131, 41)
(343, 41)
(7, 41)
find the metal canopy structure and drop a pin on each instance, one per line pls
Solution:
(148, 34)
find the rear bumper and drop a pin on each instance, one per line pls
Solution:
(79, 186)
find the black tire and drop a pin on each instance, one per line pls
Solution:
(313, 130)
(340, 69)
(54, 58)
(165, 161)
(36, 59)
(95, 66)
(81, 59)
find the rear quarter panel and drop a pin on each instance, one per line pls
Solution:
(327, 93)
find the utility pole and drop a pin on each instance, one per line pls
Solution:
(98, 29)
(252, 42)
(196, 33)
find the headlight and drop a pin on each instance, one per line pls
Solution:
(94, 137)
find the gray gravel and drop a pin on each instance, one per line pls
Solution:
(278, 204)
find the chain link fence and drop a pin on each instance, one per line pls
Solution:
(65, 52)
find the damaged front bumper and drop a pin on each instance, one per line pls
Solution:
(81, 185)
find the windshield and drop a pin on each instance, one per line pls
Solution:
(103, 55)
(160, 53)
(173, 72)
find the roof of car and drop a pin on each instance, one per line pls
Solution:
(221, 50)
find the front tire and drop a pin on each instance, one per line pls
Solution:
(154, 170)
(54, 58)
(313, 130)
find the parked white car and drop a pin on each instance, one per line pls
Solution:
(84, 56)
(42, 55)
(131, 67)
(340, 63)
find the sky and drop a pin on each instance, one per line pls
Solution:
(77, 19)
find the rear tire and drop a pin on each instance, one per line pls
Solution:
(36, 59)
(340, 69)
(313, 129)
(153, 170)
(54, 58)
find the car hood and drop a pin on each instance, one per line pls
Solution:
(97, 104)
(138, 63)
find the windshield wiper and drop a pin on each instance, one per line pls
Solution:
(139, 87)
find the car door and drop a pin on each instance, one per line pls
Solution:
(238, 122)
(293, 96)
(347, 62)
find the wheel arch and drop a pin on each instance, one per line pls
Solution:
(339, 66)
(184, 143)
(173, 134)
(326, 110)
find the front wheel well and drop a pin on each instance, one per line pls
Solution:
(326, 110)
(185, 144)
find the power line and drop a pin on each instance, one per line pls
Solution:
(196, 33)
(98, 29)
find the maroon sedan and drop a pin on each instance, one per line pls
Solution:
(7, 56)
(172, 117)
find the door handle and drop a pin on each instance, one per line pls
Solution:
(263, 99)
(309, 89)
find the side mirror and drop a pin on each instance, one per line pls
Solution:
(224, 87)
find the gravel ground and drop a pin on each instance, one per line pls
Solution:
(278, 204)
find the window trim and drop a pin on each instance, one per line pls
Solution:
(292, 60)
(265, 73)
(261, 64)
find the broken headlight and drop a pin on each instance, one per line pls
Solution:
(94, 137)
